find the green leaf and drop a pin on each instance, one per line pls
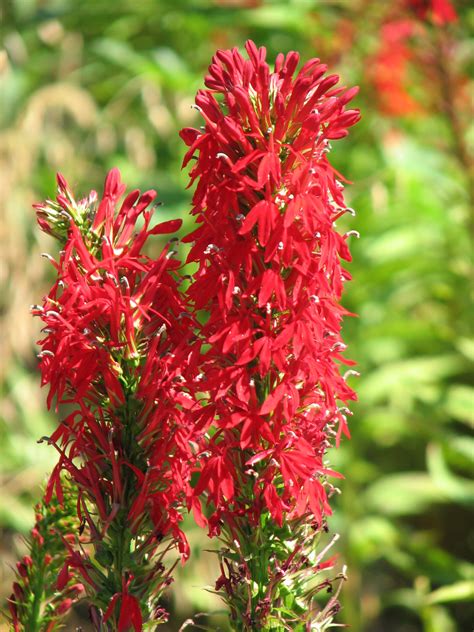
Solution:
(436, 619)
(466, 347)
(455, 487)
(371, 535)
(460, 403)
(404, 494)
(460, 591)
(405, 378)
(462, 448)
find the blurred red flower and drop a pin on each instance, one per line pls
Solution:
(389, 69)
(440, 12)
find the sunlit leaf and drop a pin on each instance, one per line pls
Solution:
(461, 591)
(460, 403)
(404, 494)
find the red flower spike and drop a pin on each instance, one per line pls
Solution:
(116, 346)
(270, 277)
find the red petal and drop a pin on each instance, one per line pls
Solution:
(63, 577)
(170, 226)
(252, 217)
(273, 502)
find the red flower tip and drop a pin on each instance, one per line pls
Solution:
(114, 186)
(270, 278)
(22, 569)
(64, 606)
(62, 182)
(14, 612)
(63, 577)
(76, 589)
(37, 535)
(130, 614)
(189, 135)
(443, 12)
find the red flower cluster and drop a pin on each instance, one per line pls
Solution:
(107, 296)
(270, 277)
(115, 348)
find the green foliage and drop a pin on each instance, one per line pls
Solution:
(92, 84)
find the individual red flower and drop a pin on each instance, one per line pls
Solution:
(130, 613)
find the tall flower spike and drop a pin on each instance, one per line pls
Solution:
(270, 278)
(114, 349)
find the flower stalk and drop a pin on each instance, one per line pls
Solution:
(270, 278)
(114, 350)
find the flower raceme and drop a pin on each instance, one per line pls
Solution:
(267, 199)
(270, 278)
(114, 350)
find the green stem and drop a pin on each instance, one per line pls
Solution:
(34, 620)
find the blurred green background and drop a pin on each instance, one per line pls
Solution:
(93, 84)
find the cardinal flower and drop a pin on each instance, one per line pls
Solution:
(270, 279)
(114, 350)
